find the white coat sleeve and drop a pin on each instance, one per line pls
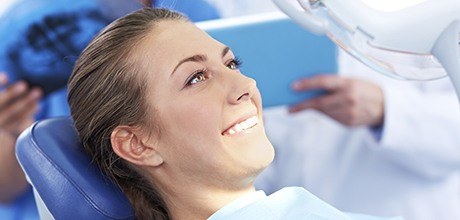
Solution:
(421, 129)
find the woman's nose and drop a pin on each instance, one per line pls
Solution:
(242, 88)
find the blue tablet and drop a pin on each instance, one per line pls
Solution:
(275, 52)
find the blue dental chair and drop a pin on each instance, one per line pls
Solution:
(68, 186)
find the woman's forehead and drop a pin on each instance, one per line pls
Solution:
(171, 41)
(182, 36)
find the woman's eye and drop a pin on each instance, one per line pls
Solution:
(198, 77)
(234, 64)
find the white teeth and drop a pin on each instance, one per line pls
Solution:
(246, 124)
(238, 127)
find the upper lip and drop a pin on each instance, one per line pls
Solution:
(239, 120)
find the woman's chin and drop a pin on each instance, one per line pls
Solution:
(262, 156)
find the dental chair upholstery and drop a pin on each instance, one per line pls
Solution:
(63, 177)
(68, 186)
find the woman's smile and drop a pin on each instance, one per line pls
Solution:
(243, 125)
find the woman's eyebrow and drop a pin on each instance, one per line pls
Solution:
(197, 58)
(194, 58)
(225, 51)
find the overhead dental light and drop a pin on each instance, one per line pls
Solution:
(421, 37)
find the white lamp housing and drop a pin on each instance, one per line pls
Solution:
(426, 33)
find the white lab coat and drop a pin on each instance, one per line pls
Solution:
(413, 170)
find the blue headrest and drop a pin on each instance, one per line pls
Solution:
(63, 175)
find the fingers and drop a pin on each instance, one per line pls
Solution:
(3, 79)
(24, 110)
(11, 93)
(330, 82)
(352, 103)
(20, 110)
(322, 103)
(335, 106)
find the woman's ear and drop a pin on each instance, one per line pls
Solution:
(128, 143)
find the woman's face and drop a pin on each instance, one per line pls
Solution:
(210, 113)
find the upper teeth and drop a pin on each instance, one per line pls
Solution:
(248, 123)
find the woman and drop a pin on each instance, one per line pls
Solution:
(164, 111)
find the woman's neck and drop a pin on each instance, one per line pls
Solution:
(202, 205)
(190, 200)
